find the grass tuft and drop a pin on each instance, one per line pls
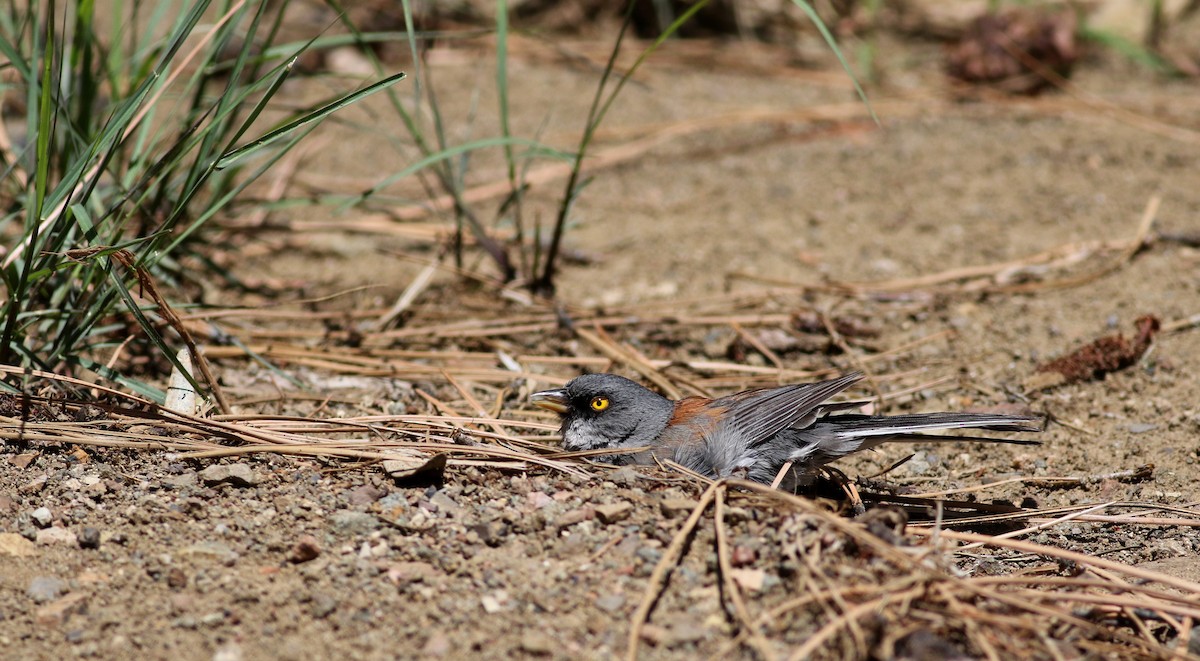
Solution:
(136, 139)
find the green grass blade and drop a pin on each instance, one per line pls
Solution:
(144, 389)
(537, 149)
(502, 82)
(45, 116)
(1132, 51)
(828, 37)
(236, 155)
(148, 326)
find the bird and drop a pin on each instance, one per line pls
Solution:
(751, 434)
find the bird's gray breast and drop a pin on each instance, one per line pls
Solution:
(718, 451)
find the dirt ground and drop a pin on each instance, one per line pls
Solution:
(147, 554)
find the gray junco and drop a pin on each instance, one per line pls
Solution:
(751, 433)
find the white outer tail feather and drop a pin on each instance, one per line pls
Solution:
(883, 429)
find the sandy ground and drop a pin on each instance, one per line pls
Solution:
(502, 564)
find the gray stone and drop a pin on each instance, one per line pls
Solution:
(42, 517)
(182, 481)
(445, 503)
(237, 475)
(393, 501)
(35, 485)
(491, 533)
(624, 476)
(89, 538)
(212, 550)
(365, 495)
(614, 512)
(323, 605)
(46, 588)
(55, 535)
(610, 603)
(95, 489)
(347, 522)
(537, 643)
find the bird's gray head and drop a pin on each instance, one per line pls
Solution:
(606, 411)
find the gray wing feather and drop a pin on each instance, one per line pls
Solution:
(759, 415)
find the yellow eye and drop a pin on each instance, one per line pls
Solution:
(599, 403)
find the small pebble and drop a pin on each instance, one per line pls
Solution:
(46, 588)
(494, 602)
(537, 643)
(403, 573)
(365, 495)
(56, 535)
(575, 516)
(35, 485)
(237, 475)
(348, 522)
(649, 554)
(42, 517)
(610, 603)
(538, 500)
(624, 476)
(22, 460)
(89, 538)
(438, 645)
(228, 651)
(444, 503)
(305, 549)
(614, 512)
(323, 605)
(176, 578)
(183, 481)
(491, 533)
(742, 556)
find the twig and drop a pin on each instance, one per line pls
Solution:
(783, 471)
(1041, 526)
(729, 585)
(840, 342)
(757, 344)
(1072, 556)
(1133, 474)
(658, 577)
(1181, 324)
(618, 354)
(815, 641)
(410, 293)
(127, 259)
(1130, 248)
